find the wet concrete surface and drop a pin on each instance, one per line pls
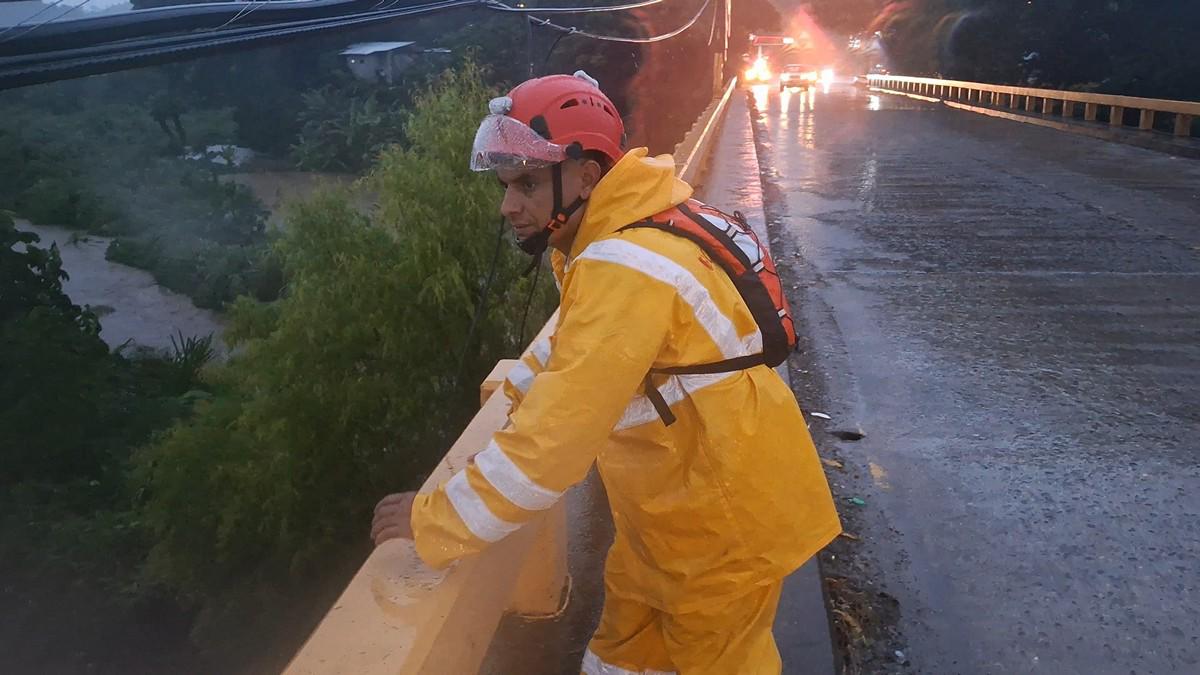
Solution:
(1011, 316)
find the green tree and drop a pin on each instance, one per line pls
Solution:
(344, 129)
(344, 388)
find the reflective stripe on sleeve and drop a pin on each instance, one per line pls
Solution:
(478, 518)
(511, 482)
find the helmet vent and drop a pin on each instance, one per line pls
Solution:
(569, 104)
(538, 124)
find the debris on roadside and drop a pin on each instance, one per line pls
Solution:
(848, 434)
(864, 621)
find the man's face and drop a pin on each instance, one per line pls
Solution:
(528, 202)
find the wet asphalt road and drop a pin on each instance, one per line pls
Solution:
(1011, 314)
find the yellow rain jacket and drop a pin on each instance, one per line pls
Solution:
(730, 497)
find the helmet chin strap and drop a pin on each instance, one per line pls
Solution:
(536, 244)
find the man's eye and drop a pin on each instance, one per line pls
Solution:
(529, 186)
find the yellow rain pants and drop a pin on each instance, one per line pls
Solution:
(733, 638)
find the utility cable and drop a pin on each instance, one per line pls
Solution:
(501, 7)
(481, 305)
(537, 271)
(550, 52)
(245, 11)
(40, 12)
(52, 19)
(161, 45)
(108, 28)
(570, 30)
(712, 29)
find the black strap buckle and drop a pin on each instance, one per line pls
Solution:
(659, 403)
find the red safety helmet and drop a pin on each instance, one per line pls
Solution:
(547, 120)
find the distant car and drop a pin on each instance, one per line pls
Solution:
(802, 75)
(798, 75)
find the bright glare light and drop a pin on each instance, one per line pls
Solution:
(761, 92)
(827, 76)
(759, 72)
(789, 41)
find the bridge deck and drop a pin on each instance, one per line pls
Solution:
(1011, 314)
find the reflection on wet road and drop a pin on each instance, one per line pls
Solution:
(1012, 316)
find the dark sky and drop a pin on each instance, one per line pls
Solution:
(840, 16)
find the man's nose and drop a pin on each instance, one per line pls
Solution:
(510, 206)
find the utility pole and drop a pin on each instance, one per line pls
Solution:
(721, 54)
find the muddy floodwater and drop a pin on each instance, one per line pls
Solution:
(131, 305)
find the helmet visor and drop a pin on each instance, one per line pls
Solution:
(503, 142)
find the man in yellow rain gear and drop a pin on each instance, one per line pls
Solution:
(716, 490)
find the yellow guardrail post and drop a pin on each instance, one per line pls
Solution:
(1183, 125)
(1184, 112)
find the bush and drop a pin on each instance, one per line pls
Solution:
(53, 365)
(212, 275)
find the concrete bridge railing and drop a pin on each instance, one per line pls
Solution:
(1047, 101)
(399, 617)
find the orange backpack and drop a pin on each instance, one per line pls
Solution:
(731, 243)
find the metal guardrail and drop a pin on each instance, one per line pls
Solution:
(691, 154)
(1046, 101)
(399, 617)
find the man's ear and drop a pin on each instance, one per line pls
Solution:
(590, 173)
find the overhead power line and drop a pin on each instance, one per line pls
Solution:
(40, 12)
(32, 69)
(570, 30)
(501, 7)
(178, 19)
(36, 26)
(30, 65)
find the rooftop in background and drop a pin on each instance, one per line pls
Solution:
(364, 48)
(32, 12)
